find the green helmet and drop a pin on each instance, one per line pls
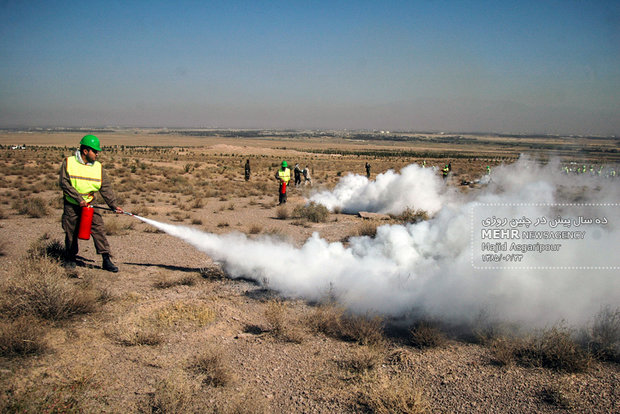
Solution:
(91, 141)
(284, 164)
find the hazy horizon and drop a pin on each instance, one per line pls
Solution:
(512, 67)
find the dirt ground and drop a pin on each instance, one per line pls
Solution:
(170, 305)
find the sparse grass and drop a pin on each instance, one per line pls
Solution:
(316, 213)
(425, 334)
(255, 229)
(197, 221)
(21, 336)
(211, 364)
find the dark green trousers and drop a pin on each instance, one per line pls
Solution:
(71, 225)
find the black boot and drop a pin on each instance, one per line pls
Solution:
(108, 265)
(69, 262)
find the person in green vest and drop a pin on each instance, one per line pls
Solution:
(81, 176)
(283, 175)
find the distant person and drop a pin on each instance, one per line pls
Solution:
(297, 172)
(368, 170)
(81, 176)
(306, 174)
(283, 175)
(445, 171)
(488, 170)
(247, 170)
(449, 167)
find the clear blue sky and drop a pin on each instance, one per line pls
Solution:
(504, 66)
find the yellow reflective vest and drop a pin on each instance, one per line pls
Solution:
(86, 179)
(284, 175)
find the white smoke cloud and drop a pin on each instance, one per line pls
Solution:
(427, 267)
(389, 193)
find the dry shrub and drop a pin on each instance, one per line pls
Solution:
(361, 360)
(557, 397)
(314, 212)
(255, 229)
(411, 216)
(554, 348)
(282, 213)
(165, 281)
(332, 321)
(503, 350)
(394, 395)
(46, 247)
(212, 366)
(281, 327)
(604, 338)
(174, 394)
(141, 210)
(425, 334)
(212, 272)
(176, 312)
(115, 227)
(248, 401)
(135, 332)
(40, 287)
(34, 207)
(22, 336)
(197, 203)
(367, 228)
(196, 221)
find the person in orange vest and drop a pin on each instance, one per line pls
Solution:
(81, 176)
(283, 175)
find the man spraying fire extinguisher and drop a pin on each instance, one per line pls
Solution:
(81, 176)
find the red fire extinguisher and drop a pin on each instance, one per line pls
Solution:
(283, 187)
(86, 219)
